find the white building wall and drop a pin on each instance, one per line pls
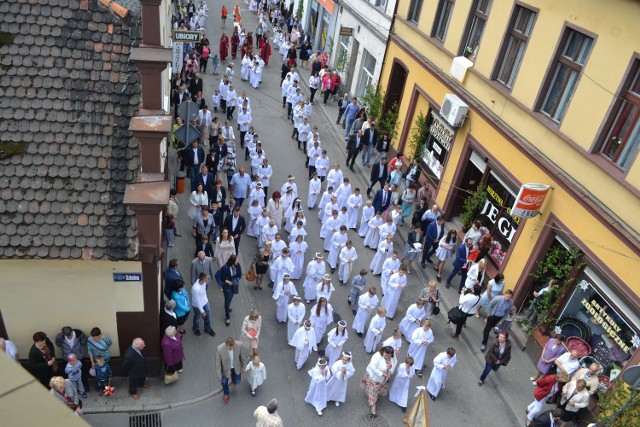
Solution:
(370, 25)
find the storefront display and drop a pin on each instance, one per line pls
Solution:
(594, 318)
(437, 145)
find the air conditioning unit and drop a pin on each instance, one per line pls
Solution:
(453, 110)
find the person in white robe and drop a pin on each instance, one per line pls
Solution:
(298, 249)
(321, 316)
(348, 256)
(255, 74)
(442, 364)
(298, 216)
(338, 241)
(329, 208)
(324, 200)
(315, 270)
(335, 341)
(277, 245)
(268, 232)
(256, 373)
(304, 340)
(343, 192)
(334, 176)
(261, 222)
(325, 288)
(353, 208)
(387, 228)
(397, 283)
(412, 319)
(373, 231)
(298, 230)
(342, 370)
(283, 291)
(396, 216)
(366, 304)
(374, 332)
(384, 251)
(399, 390)
(257, 194)
(254, 211)
(295, 315)
(394, 341)
(290, 183)
(281, 266)
(342, 216)
(317, 393)
(420, 340)
(368, 212)
(315, 186)
(246, 67)
(329, 228)
(389, 266)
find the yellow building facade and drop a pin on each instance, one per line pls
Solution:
(553, 97)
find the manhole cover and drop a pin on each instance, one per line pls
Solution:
(145, 420)
(373, 421)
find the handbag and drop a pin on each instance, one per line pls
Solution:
(251, 274)
(171, 378)
(456, 316)
(436, 310)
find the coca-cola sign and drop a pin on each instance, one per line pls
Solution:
(529, 200)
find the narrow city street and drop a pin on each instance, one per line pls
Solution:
(461, 403)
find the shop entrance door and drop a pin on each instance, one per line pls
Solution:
(468, 183)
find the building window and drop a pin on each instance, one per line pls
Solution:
(414, 10)
(475, 27)
(515, 44)
(622, 136)
(380, 3)
(367, 71)
(443, 16)
(565, 72)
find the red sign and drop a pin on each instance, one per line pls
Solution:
(529, 200)
(329, 5)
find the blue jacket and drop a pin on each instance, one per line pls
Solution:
(183, 305)
(433, 234)
(461, 256)
(170, 276)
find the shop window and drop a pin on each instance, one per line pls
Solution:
(437, 146)
(514, 45)
(621, 138)
(367, 71)
(564, 74)
(495, 216)
(415, 7)
(475, 27)
(443, 16)
(592, 317)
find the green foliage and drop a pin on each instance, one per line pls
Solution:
(373, 101)
(9, 149)
(418, 135)
(342, 60)
(472, 205)
(300, 10)
(613, 400)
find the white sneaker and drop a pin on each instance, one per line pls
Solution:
(319, 413)
(337, 403)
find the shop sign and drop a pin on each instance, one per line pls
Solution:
(507, 224)
(329, 5)
(177, 57)
(127, 277)
(529, 200)
(346, 31)
(441, 132)
(184, 36)
(603, 319)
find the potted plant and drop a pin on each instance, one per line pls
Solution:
(472, 205)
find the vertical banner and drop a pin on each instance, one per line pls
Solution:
(178, 54)
(529, 200)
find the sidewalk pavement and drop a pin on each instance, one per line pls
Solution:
(198, 382)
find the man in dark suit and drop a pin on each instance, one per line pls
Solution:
(382, 148)
(236, 225)
(435, 232)
(378, 174)
(171, 274)
(550, 418)
(220, 150)
(179, 97)
(354, 145)
(207, 180)
(371, 137)
(135, 364)
(382, 199)
(194, 157)
(460, 260)
(195, 85)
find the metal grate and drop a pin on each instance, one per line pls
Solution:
(145, 420)
(373, 421)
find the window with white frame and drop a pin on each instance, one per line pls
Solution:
(367, 69)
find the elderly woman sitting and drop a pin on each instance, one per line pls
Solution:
(66, 393)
